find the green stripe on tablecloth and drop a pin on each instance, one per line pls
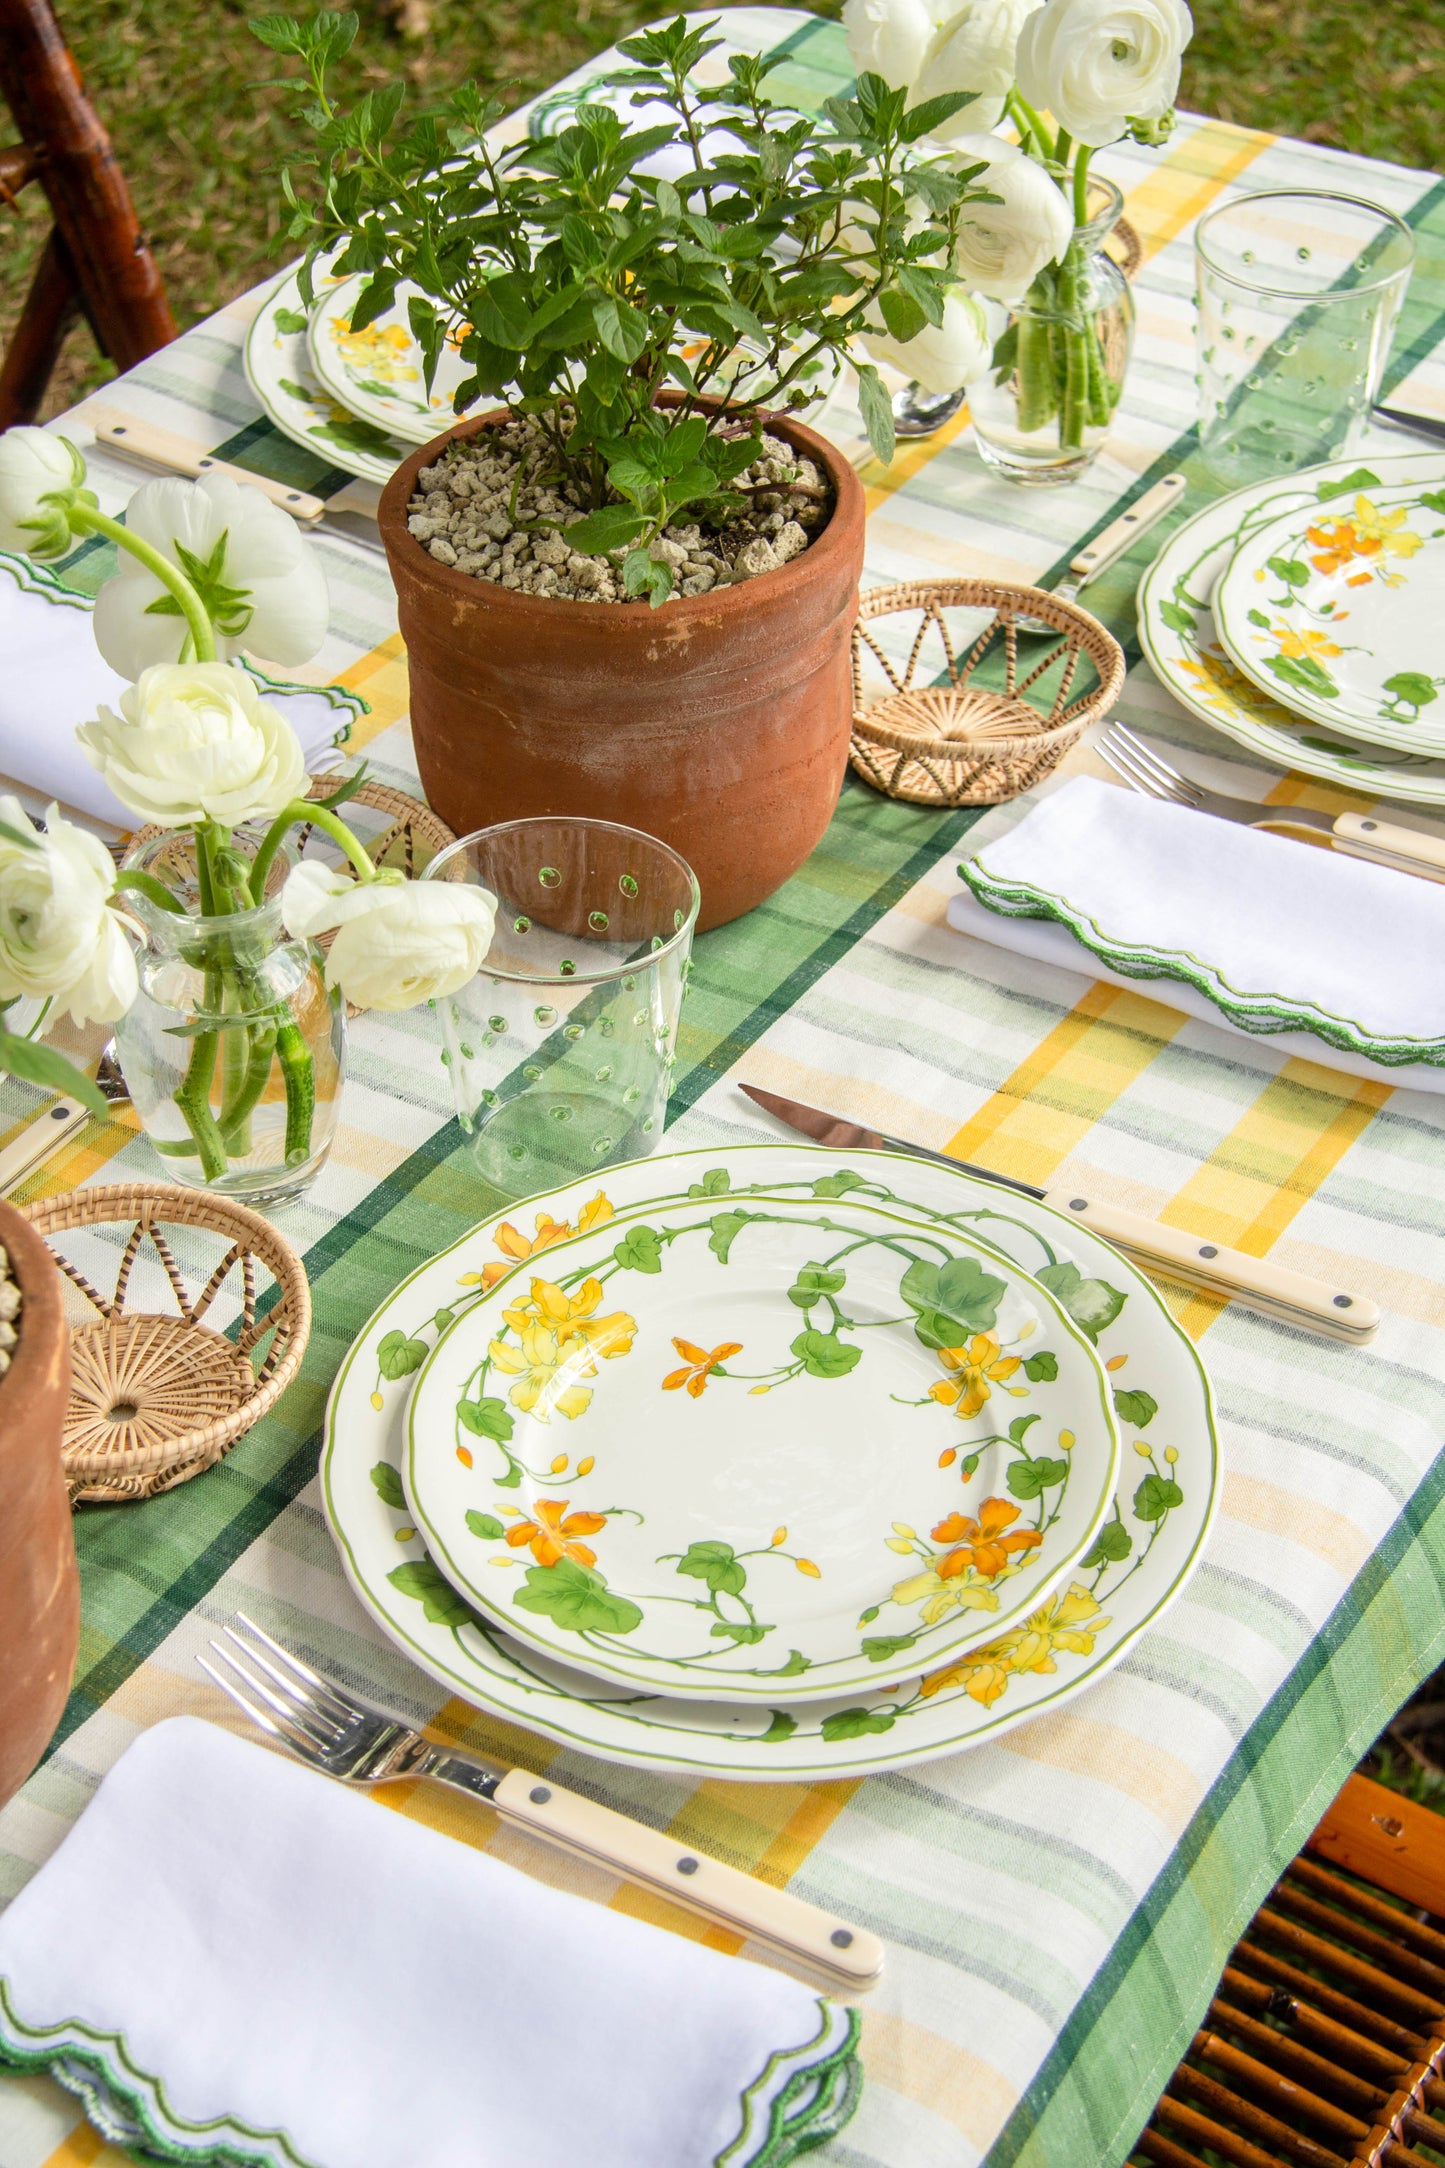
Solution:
(1093, 2094)
(746, 975)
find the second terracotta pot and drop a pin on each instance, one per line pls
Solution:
(39, 1589)
(718, 722)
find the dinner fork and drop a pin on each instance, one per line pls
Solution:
(1143, 767)
(333, 1730)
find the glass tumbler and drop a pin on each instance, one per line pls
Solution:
(561, 1049)
(1299, 293)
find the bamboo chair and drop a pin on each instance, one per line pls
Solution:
(96, 261)
(1321, 2047)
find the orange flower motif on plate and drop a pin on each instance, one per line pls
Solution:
(975, 1369)
(554, 1532)
(982, 1545)
(698, 1365)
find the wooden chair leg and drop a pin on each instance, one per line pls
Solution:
(51, 307)
(114, 270)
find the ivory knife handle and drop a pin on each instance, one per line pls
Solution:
(1117, 536)
(1406, 849)
(790, 1924)
(135, 439)
(1293, 1297)
(38, 1139)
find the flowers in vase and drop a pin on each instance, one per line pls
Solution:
(195, 741)
(59, 941)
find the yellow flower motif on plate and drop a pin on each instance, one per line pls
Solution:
(570, 1318)
(1300, 642)
(976, 1552)
(976, 1369)
(374, 352)
(547, 1374)
(1070, 1621)
(515, 1245)
(1221, 685)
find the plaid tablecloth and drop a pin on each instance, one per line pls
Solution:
(1058, 1904)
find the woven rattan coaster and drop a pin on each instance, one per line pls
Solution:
(973, 716)
(157, 1396)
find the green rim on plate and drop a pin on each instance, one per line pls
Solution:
(1139, 1564)
(759, 1439)
(278, 370)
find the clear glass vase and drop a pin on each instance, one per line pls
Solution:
(1044, 410)
(234, 1052)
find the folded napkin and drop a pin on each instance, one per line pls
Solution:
(230, 1958)
(1325, 956)
(54, 678)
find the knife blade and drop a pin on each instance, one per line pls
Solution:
(1295, 1298)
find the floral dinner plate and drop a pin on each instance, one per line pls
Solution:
(379, 372)
(783, 1437)
(279, 372)
(1179, 637)
(1340, 607)
(1138, 1565)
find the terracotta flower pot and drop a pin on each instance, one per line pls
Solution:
(39, 1589)
(719, 722)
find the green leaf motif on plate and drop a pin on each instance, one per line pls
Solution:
(782, 1727)
(854, 1724)
(1291, 570)
(1346, 485)
(1156, 1496)
(397, 1357)
(487, 1418)
(715, 1183)
(795, 1666)
(1112, 1543)
(726, 1227)
(1410, 689)
(1139, 1409)
(952, 1300)
(746, 1633)
(485, 1525)
(640, 1250)
(837, 1185)
(438, 1599)
(1305, 674)
(813, 1283)
(824, 1355)
(1257, 617)
(716, 1564)
(879, 1647)
(576, 1598)
(442, 1319)
(289, 321)
(1026, 1478)
(1092, 1304)
(1177, 618)
(386, 1482)
(1433, 500)
(1041, 1369)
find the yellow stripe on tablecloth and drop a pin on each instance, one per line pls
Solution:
(380, 676)
(948, 2080)
(91, 1149)
(81, 2148)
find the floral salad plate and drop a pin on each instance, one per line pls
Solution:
(1179, 636)
(1138, 1564)
(777, 1438)
(379, 372)
(1340, 607)
(291, 395)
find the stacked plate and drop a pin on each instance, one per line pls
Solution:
(763, 1463)
(1302, 619)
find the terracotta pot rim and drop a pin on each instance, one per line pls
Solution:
(810, 564)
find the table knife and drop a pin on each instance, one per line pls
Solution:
(1293, 1297)
(1420, 425)
(1119, 534)
(43, 1134)
(350, 513)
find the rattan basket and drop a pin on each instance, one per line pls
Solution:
(157, 1397)
(944, 736)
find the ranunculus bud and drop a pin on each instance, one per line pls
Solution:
(397, 942)
(40, 482)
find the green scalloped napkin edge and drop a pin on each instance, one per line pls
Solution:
(1260, 1014)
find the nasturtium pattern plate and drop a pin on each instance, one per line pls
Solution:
(379, 372)
(761, 1438)
(1340, 606)
(290, 394)
(1178, 633)
(1138, 1565)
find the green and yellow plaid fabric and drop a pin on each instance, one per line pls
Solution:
(1057, 1904)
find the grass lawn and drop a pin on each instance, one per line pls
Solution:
(202, 147)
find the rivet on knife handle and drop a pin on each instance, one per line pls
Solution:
(1294, 1297)
(38, 1139)
(1117, 536)
(752, 1908)
(136, 439)
(1406, 849)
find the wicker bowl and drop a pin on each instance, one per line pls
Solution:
(155, 1396)
(974, 722)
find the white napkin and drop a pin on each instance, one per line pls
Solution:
(240, 1959)
(53, 678)
(1325, 956)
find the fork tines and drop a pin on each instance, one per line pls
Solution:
(296, 1705)
(1136, 763)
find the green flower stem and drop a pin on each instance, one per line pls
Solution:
(300, 1079)
(1081, 185)
(202, 636)
(1028, 122)
(236, 1112)
(297, 814)
(1035, 373)
(193, 1097)
(146, 884)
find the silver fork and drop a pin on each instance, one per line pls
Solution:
(1143, 767)
(336, 1732)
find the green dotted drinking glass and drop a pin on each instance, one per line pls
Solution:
(561, 1049)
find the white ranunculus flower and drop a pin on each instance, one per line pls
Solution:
(259, 578)
(943, 357)
(972, 49)
(195, 741)
(888, 38)
(1098, 64)
(1003, 246)
(40, 477)
(397, 942)
(58, 940)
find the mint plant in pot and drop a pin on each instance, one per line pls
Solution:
(628, 590)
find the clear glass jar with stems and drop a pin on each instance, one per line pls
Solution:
(235, 1050)
(1042, 412)
(561, 1049)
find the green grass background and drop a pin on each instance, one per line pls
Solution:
(177, 81)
